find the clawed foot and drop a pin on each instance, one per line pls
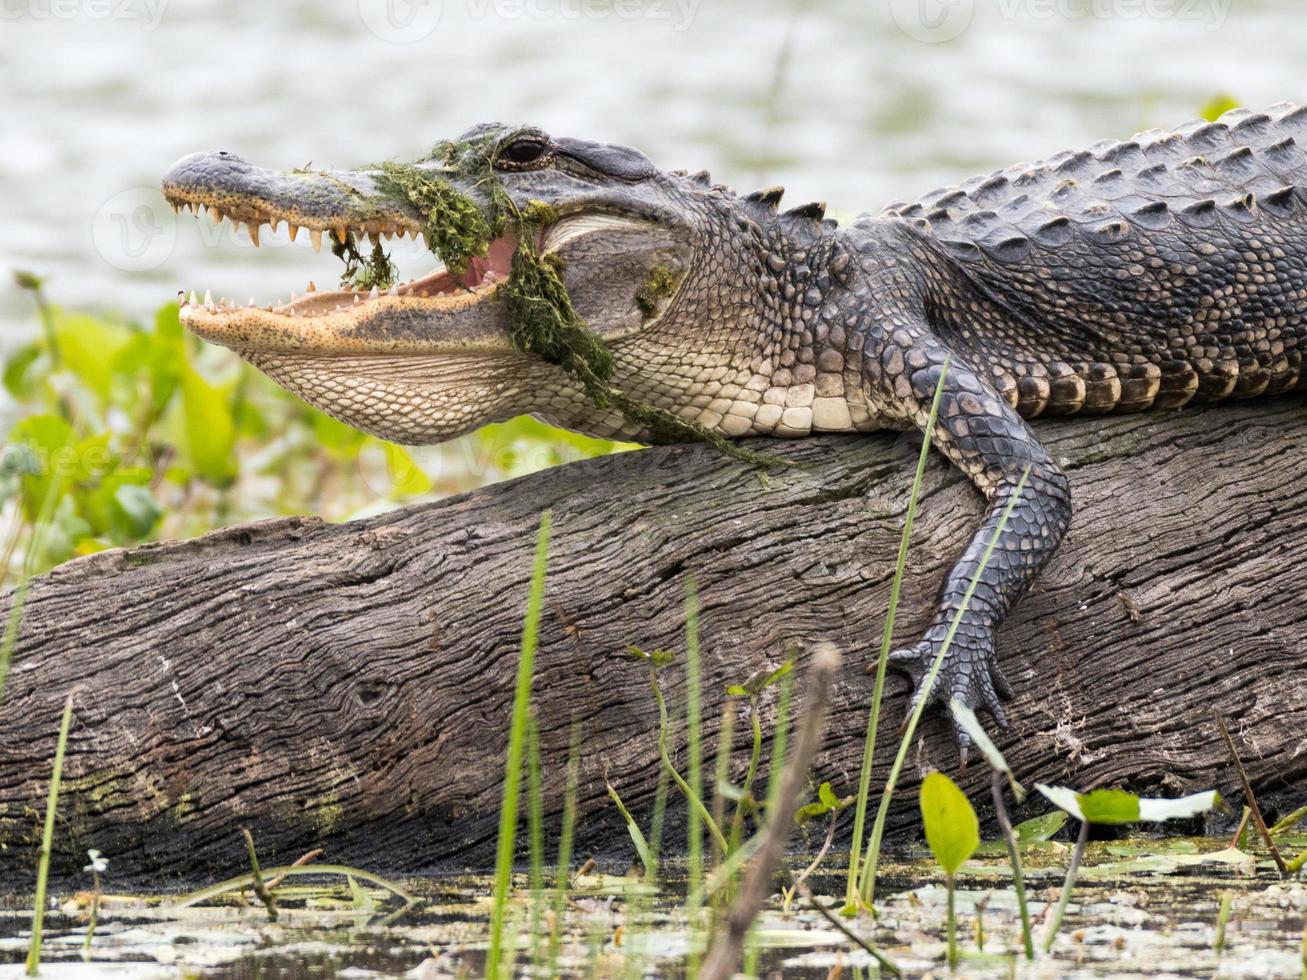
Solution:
(969, 673)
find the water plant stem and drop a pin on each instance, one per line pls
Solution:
(1222, 918)
(288, 871)
(692, 798)
(694, 735)
(868, 885)
(563, 873)
(882, 662)
(47, 839)
(1055, 923)
(516, 751)
(261, 891)
(723, 956)
(1258, 819)
(1014, 855)
(950, 884)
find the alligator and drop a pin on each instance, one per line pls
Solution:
(1166, 269)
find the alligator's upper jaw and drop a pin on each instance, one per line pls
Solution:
(439, 311)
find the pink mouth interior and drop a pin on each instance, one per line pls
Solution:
(481, 273)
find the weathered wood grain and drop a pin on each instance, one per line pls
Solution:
(349, 686)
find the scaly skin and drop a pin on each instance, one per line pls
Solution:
(1147, 273)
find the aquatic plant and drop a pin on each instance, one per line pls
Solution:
(953, 833)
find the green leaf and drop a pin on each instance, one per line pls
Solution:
(760, 680)
(970, 724)
(637, 836)
(209, 433)
(952, 830)
(89, 346)
(825, 803)
(1116, 806)
(657, 658)
(361, 899)
(51, 442)
(407, 478)
(827, 797)
(1217, 106)
(16, 379)
(1036, 830)
(120, 506)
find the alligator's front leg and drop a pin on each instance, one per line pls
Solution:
(989, 442)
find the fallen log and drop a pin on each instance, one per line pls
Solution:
(348, 686)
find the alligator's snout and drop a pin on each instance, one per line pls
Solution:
(334, 202)
(442, 310)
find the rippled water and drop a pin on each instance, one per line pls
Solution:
(853, 102)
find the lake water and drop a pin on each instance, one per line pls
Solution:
(853, 102)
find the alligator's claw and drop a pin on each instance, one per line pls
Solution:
(968, 673)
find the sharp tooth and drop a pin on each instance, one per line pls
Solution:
(208, 301)
(315, 234)
(251, 302)
(192, 301)
(312, 287)
(254, 232)
(273, 224)
(392, 291)
(357, 299)
(292, 230)
(373, 294)
(215, 215)
(342, 233)
(176, 208)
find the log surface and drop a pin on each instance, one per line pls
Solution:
(348, 686)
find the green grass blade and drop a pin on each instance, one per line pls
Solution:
(882, 663)
(693, 799)
(1055, 923)
(516, 751)
(868, 885)
(19, 599)
(563, 874)
(536, 834)
(642, 848)
(47, 840)
(694, 730)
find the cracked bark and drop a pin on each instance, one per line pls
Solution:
(348, 686)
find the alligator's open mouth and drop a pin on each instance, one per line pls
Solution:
(441, 290)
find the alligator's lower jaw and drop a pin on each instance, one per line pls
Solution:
(348, 320)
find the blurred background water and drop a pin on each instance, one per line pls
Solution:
(852, 102)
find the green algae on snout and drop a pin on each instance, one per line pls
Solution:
(456, 229)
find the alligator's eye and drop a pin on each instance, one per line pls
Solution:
(523, 152)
